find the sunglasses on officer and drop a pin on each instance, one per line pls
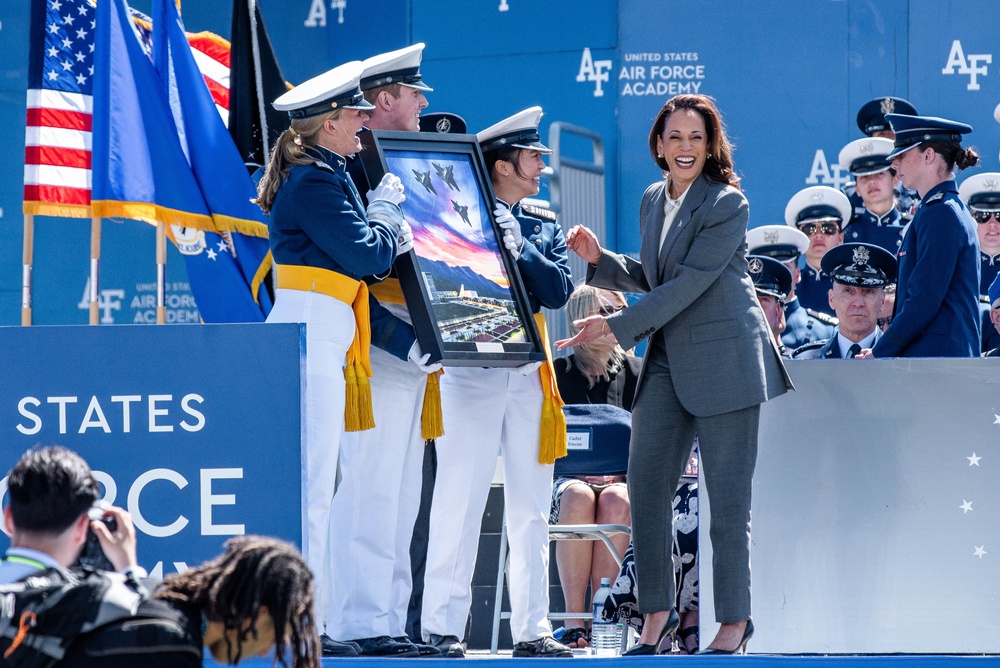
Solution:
(609, 309)
(983, 217)
(827, 227)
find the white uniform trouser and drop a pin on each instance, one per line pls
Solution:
(486, 412)
(376, 507)
(329, 333)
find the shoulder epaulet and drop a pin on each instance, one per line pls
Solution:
(319, 164)
(822, 317)
(802, 350)
(539, 212)
(937, 197)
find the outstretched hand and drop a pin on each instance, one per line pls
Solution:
(591, 328)
(583, 242)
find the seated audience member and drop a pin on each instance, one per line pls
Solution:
(981, 193)
(255, 598)
(994, 297)
(51, 492)
(878, 221)
(860, 273)
(772, 282)
(873, 123)
(785, 244)
(820, 213)
(888, 306)
(598, 372)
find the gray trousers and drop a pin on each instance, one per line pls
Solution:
(662, 437)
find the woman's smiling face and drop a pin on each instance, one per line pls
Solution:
(684, 146)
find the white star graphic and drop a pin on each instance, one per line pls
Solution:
(91, 47)
(996, 419)
(69, 19)
(66, 65)
(53, 28)
(82, 9)
(211, 254)
(81, 79)
(973, 460)
(80, 57)
(53, 52)
(966, 506)
(81, 34)
(223, 248)
(90, 70)
(56, 5)
(979, 552)
(53, 75)
(67, 42)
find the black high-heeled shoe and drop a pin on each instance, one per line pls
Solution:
(747, 634)
(673, 621)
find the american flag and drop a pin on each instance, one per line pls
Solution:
(57, 144)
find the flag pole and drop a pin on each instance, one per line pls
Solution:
(259, 81)
(26, 262)
(95, 265)
(161, 273)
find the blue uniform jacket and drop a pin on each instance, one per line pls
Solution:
(801, 327)
(543, 264)
(829, 350)
(937, 298)
(883, 231)
(989, 267)
(813, 290)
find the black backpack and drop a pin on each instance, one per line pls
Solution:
(42, 614)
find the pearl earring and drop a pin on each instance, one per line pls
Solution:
(659, 155)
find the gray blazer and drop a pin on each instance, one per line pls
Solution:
(701, 306)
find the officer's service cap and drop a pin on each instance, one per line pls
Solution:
(871, 116)
(817, 203)
(981, 191)
(334, 89)
(912, 131)
(442, 121)
(518, 131)
(868, 155)
(401, 66)
(769, 276)
(861, 265)
(994, 292)
(781, 242)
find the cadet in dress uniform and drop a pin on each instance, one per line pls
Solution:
(937, 295)
(981, 193)
(860, 274)
(785, 244)
(879, 221)
(324, 241)
(370, 556)
(497, 410)
(772, 281)
(872, 122)
(819, 212)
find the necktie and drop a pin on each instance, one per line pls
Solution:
(852, 351)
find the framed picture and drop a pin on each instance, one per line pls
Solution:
(463, 290)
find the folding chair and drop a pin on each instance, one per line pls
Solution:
(597, 443)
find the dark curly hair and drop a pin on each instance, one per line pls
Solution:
(719, 165)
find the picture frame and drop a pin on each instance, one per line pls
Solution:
(464, 293)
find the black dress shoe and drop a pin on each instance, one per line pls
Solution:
(450, 647)
(385, 646)
(425, 651)
(333, 647)
(747, 634)
(673, 621)
(543, 648)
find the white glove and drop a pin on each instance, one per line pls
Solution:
(420, 358)
(528, 369)
(513, 241)
(405, 238)
(390, 188)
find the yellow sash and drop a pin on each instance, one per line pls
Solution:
(389, 291)
(358, 406)
(552, 432)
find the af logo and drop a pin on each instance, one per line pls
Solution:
(974, 65)
(108, 301)
(317, 12)
(824, 173)
(594, 70)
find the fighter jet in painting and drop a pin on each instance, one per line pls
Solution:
(463, 211)
(424, 179)
(447, 174)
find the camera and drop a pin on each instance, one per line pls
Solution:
(92, 554)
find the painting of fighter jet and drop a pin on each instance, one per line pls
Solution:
(447, 174)
(463, 211)
(424, 179)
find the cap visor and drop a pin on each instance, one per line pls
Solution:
(419, 85)
(901, 151)
(866, 172)
(363, 105)
(534, 146)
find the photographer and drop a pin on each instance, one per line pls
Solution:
(52, 494)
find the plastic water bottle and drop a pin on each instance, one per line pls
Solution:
(605, 637)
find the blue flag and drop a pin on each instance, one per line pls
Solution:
(159, 157)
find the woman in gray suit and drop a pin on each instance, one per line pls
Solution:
(709, 365)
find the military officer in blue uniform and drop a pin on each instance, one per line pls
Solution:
(820, 213)
(497, 410)
(871, 121)
(981, 193)
(937, 295)
(325, 240)
(860, 274)
(786, 244)
(772, 282)
(879, 221)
